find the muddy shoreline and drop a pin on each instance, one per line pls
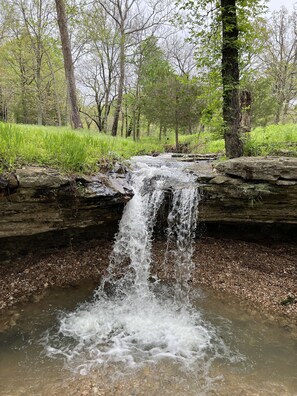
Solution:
(261, 277)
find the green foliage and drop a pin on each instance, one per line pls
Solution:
(167, 98)
(69, 151)
(203, 19)
(85, 151)
(203, 143)
(272, 140)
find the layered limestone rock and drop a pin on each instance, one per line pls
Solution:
(250, 190)
(40, 206)
(265, 169)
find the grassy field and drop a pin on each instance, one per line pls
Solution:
(271, 140)
(86, 152)
(67, 150)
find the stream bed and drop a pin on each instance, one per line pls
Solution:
(135, 335)
(261, 359)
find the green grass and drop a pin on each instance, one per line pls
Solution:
(67, 150)
(203, 143)
(86, 151)
(272, 140)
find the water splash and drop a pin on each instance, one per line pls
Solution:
(131, 321)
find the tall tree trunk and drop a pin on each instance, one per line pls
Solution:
(160, 132)
(138, 123)
(176, 126)
(38, 68)
(122, 124)
(56, 94)
(68, 63)
(117, 112)
(2, 106)
(106, 107)
(126, 119)
(230, 77)
(245, 111)
(134, 124)
(39, 93)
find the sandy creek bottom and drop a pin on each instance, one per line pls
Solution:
(262, 357)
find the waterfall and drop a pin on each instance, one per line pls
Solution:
(131, 320)
(130, 261)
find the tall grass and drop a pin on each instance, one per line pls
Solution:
(67, 150)
(204, 142)
(272, 140)
(86, 151)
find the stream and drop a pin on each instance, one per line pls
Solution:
(135, 335)
(261, 358)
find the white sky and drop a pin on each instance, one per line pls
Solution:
(275, 5)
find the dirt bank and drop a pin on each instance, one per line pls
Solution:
(261, 276)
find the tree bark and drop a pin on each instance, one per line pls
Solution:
(230, 77)
(245, 109)
(176, 126)
(3, 113)
(118, 108)
(68, 63)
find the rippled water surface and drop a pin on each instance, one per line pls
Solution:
(261, 358)
(137, 336)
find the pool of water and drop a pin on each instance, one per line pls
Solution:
(262, 358)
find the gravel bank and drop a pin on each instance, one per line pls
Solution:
(260, 276)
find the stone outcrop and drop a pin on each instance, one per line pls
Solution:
(264, 169)
(43, 207)
(251, 191)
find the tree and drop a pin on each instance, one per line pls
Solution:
(31, 78)
(230, 79)
(168, 99)
(98, 68)
(226, 14)
(131, 17)
(279, 60)
(68, 63)
(37, 22)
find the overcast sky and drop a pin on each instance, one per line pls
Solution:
(275, 5)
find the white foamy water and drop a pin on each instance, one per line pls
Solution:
(127, 321)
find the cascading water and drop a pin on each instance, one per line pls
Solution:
(132, 320)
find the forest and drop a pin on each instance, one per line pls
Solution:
(151, 70)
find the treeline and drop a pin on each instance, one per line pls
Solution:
(142, 66)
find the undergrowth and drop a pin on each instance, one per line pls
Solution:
(272, 140)
(88, 151)
(67, 150)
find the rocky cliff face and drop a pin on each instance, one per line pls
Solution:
(253, 192)
(42, 208)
